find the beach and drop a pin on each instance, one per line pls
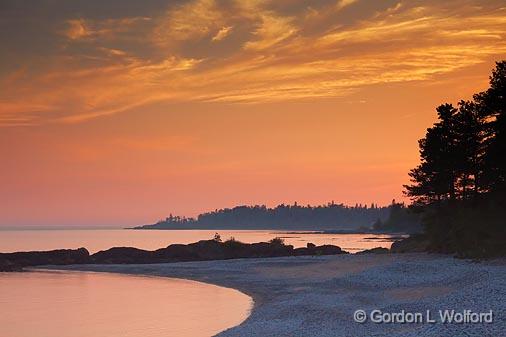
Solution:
(318, 295)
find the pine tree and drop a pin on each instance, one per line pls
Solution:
(469, 149)
(492, 106)
(460, 183)
(435, 178)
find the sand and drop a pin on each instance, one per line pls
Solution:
(317, 296)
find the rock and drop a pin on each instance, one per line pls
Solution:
(208, 250)
(16, 261)
(6, 265)
(121, 255)
(376, 250)
(310, 245)
(412, 244)
(199, 251)
(320, 250)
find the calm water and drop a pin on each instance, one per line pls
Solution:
(79, 304)
(100, 239)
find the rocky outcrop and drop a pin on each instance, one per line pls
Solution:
(16, 261)
(199, 251)
(412, 244)
(208, 250)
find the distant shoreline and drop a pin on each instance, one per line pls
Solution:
(399, 234)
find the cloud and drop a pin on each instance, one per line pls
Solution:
(222, 33)
(20, 113)
(194, 19)
(271, 30)
(344, 3)
(170, 64)
(114, 52)
(77, 29)
(273, 57)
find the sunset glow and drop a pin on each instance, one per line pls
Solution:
(121, 112)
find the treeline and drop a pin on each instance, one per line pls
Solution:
(287, 217)
(460, 184)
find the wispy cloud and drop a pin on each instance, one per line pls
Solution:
(192, 20)
(271, 30)
(274, 56)
(222, 33)
(77, 29)
(344, 3)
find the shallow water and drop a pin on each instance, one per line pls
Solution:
(82, 304)
(100, 239)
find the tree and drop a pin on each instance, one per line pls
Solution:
(492, 106)
(469, 149)
(434, 179)
(460, 183)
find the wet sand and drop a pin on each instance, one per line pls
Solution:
(317, 296)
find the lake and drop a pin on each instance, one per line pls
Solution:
(83, 304)
(99, 239)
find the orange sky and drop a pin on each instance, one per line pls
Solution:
(116, 114)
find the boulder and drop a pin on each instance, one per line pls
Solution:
(412, 244)
(376, 250)
(319, 250)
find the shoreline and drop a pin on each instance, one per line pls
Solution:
(317, 295)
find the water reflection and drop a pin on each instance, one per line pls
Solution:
(78, 304)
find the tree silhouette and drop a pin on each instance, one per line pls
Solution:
(461, 179)
(492, 108)
(469, 149)
(434, 179)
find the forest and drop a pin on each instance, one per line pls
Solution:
(331, 216)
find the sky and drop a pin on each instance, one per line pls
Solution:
(119, 112)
